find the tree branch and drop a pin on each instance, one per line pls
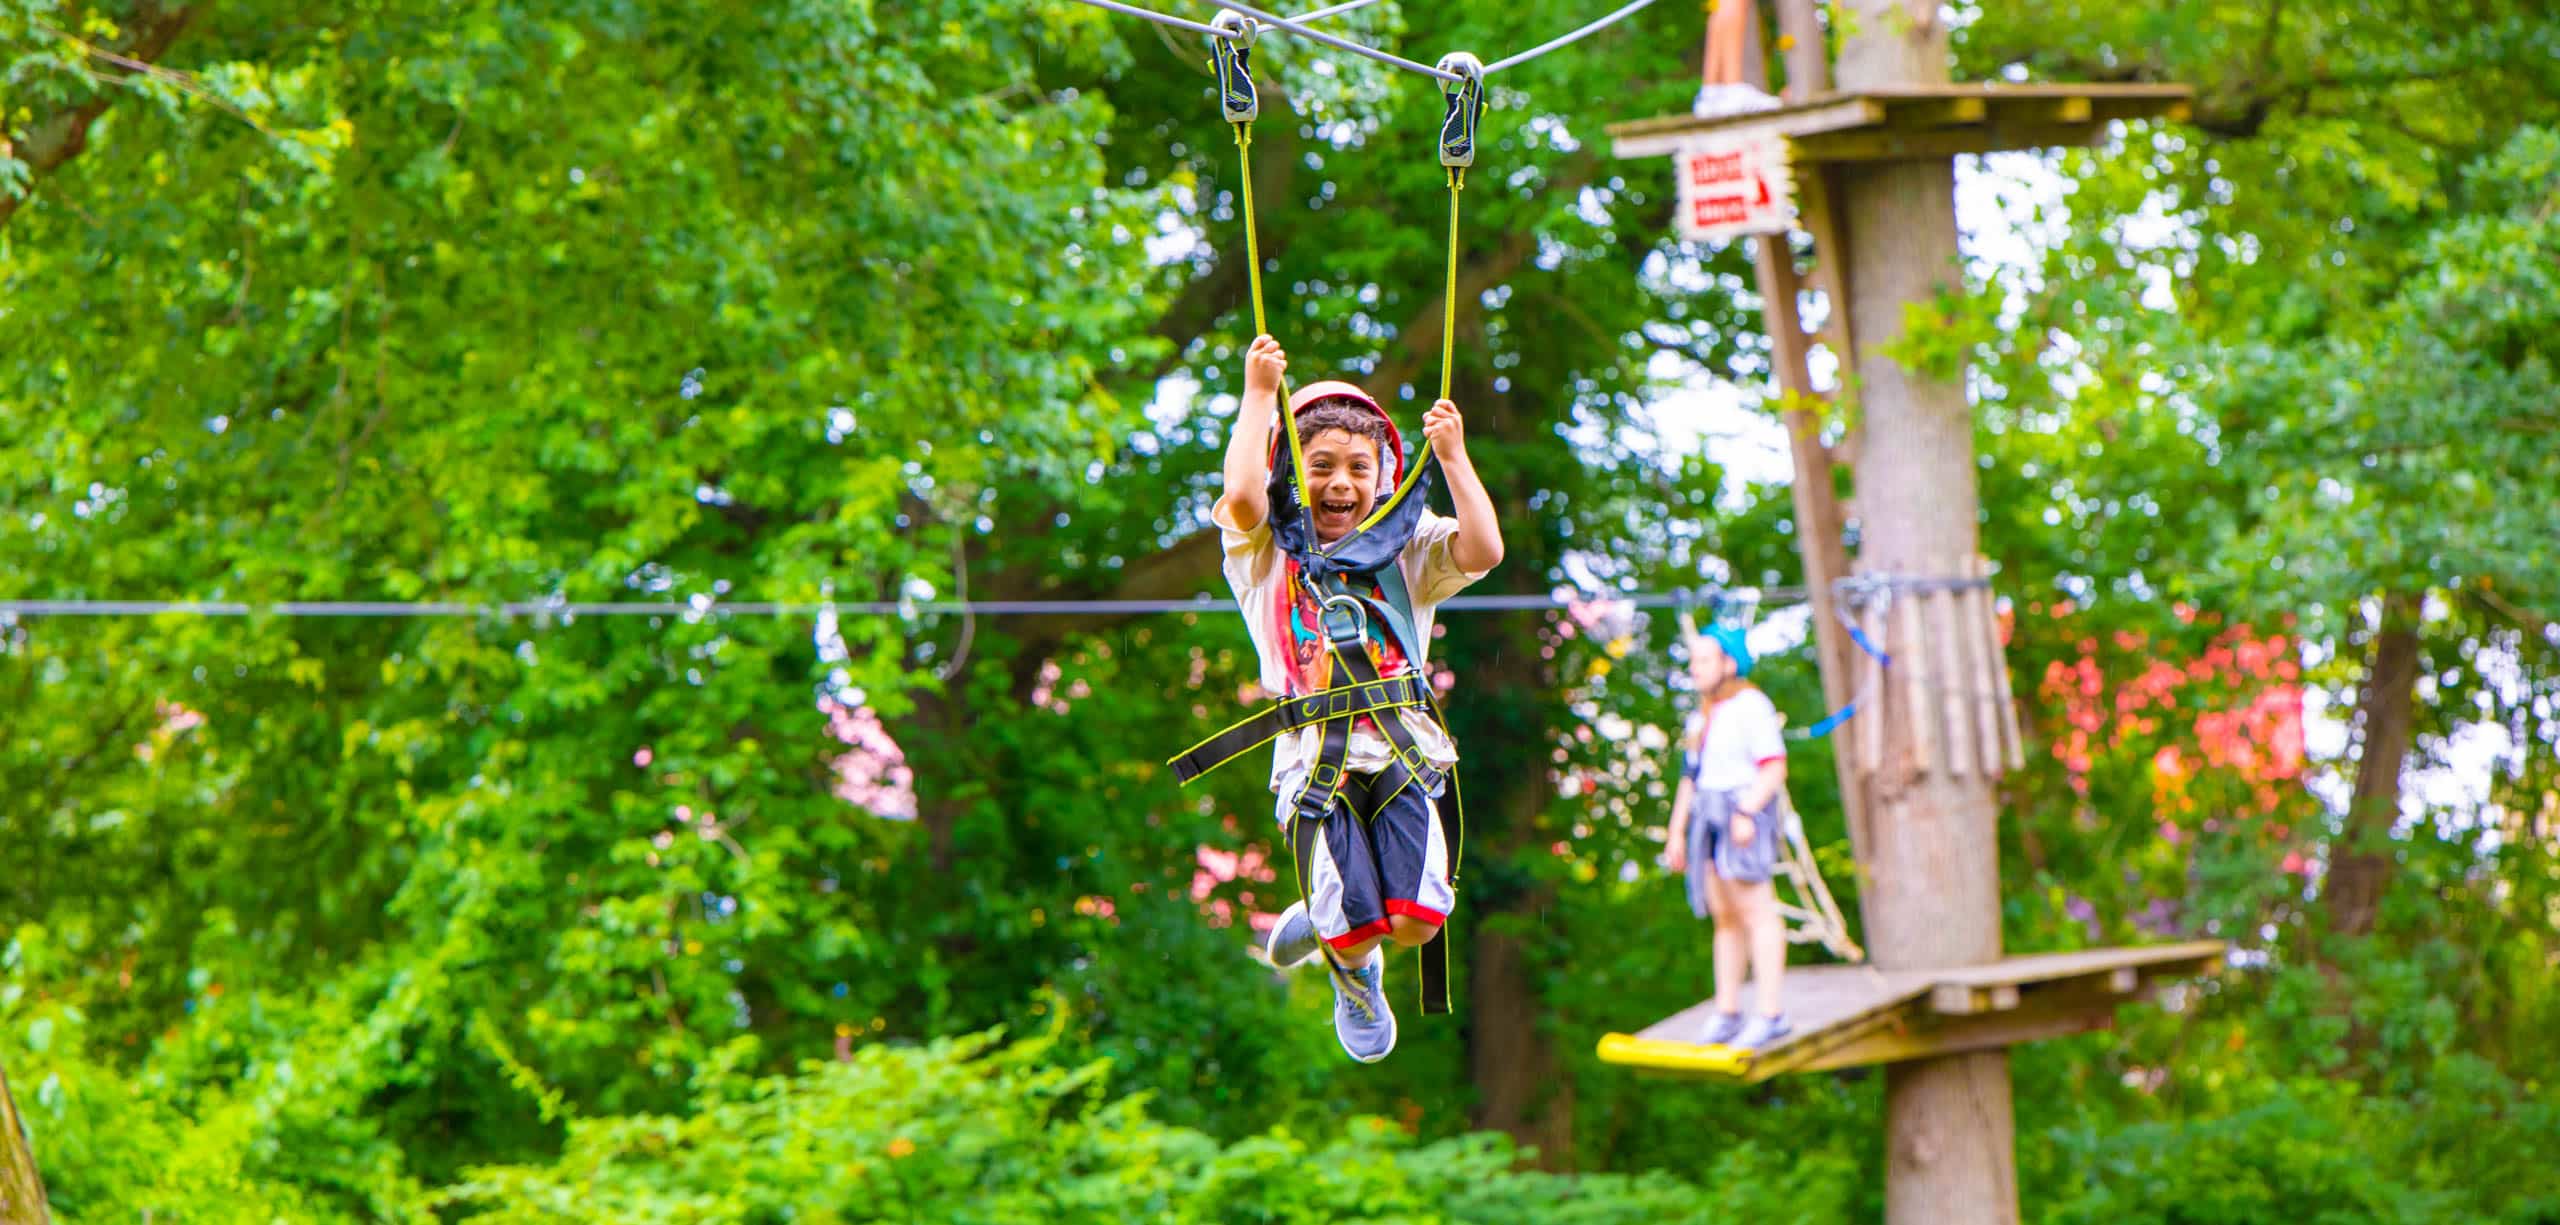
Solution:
(56, 137)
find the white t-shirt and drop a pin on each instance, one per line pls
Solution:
(1743, 736)
(1256, 571)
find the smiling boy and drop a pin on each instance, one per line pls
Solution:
(1383, 876)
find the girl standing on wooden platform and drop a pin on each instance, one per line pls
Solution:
(1724, 834)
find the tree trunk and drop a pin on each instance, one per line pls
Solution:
(22, 1200)
(1521, 1086)
(1502, 714)
(2360, 860)
(1931, 895)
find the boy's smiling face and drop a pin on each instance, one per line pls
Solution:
(1342, 481)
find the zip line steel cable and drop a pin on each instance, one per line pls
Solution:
(1568, 40)
(1179, 23)
(1298, 25)
(1766, 597)
(1342, 44)
(1330, 10)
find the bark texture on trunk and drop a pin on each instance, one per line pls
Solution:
(1931, 895)
(22, 1200)
(2360, 862)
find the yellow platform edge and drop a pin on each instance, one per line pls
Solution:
(1628, 1050)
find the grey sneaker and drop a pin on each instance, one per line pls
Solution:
(1731, 99)
(1761, 1033)
(1721, 1030)
(1293, 939)
(1361, 1018)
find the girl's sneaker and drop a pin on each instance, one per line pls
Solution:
(1761, 1033)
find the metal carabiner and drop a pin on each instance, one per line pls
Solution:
(1325, 603)
(1232, 54)
(1466, 106)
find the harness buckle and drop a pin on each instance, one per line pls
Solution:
(1359, 617)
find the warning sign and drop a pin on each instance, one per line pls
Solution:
(1734, 185)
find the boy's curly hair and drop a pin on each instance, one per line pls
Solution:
(1349, 416)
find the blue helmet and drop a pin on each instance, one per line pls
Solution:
(1729, 639)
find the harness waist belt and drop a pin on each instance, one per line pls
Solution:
(1340, 702)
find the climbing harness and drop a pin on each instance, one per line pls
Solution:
(1356, 584)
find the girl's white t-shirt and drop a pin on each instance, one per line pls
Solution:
(1255, 572)
(1743, 735)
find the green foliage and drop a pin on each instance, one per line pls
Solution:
(969, 1131)
(555, 916)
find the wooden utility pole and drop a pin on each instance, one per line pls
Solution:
(22, 1199)
(1931, 893)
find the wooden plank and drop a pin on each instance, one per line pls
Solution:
(1981, 641)
(1885, 144)
(1669, 134)
(1995, 1033)
(1847, 1016)
(1942, 112)
(1957, 1000)
(2041, 967)
(2011, 738)
(1998, 91)
(1910, 650)
(2111, 110)
(1871, 689)
(1817, 998)
(2010, 111)
(1955, 696)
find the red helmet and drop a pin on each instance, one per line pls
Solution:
(1330, 389)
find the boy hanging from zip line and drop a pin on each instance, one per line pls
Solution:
(1375, 868)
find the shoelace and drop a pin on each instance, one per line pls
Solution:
(1356, 992)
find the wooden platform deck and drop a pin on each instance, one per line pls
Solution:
(1847, 1016)
(1922, 121)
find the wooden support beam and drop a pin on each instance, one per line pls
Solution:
(1921, 690)
(1886, 144)
(1940, 112)
(1980, 635)
(1993, 1033)
(1665, 136)
(1956, 665)
(1958, 1000)
(2031, 111)
(2012, 740)
(1814, 194)
(2108, 110)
